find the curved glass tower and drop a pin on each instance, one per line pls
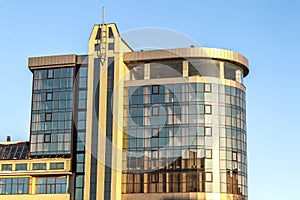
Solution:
(185, 125)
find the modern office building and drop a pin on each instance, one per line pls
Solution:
(119, 124)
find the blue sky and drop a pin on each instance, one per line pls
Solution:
(266, 32)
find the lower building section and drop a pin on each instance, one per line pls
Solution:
(36, 197)
(36, 178)
(182, 196)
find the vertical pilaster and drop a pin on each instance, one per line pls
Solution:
(185, 68)
(238, 76)
(222, 70)
(147, 71)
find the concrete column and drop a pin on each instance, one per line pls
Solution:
(147, 71)
(33, 183)
(222, 70)
(185, 68)
(238, 76)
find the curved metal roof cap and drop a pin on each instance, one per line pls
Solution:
(213, 53)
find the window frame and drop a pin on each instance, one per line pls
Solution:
(205, 87)
(50, 75)
(206, 177)
(8, 167)
(206, 106)
(156, 109)
(21, 164)
(111, 46)
(39, 166)
(205, 131)
(157, 131)
(56, 166)
(49, 93)
(46, 119)
(153, 91)
(45, 138)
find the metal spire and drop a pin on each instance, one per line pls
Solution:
(103, 22)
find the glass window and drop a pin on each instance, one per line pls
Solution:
(166, 69)
(155, 89)
(207, 109)
(234, 156)
(230, 71)
(48, 117)
(207, 87)
(154, 178)
(98, 36)
(14, 186)
(39, 166)
(50, 74)
(137, 72)
(208, 153)
(97, 47)
(49, 96)
(51, 185)
(155, 133)
(208, 131)
(155, 110)
(202, 67)
(208, 177)
(47, 138)
(111, 46)
(110, 33)
(54, 166)
(6, 167)
(21, 167)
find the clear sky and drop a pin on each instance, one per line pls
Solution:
(267, 32)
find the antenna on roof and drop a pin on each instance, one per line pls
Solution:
(103, 22)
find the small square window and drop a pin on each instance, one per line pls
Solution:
(49, 96)
(155, 133)
(208, 177)
(208, 131)
(207, 87)
(47, 138)
(208, 153)
(97, 47)
(155, 110)
(234, 156)
(48, 117)
(155, 89)
(207, 109)
(50, 74)
(111, 46)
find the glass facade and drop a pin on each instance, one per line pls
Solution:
(14, 186)
(109, 128)
(178, 136)
(95, 128)
(51, 185)
(80, 124)
(51, 123)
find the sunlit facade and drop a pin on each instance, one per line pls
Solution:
(119, 124)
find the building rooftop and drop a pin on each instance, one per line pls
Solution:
(14, 150)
